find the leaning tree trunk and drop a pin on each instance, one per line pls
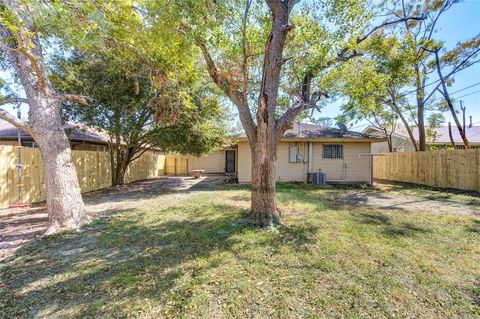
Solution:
(64, 202)
(264, 211)
(420, 96)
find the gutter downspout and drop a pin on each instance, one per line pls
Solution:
(310, 157)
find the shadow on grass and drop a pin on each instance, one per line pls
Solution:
(387, 225)
(474, 228)
(319, 198)
(124, 257)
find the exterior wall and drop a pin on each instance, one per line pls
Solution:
(244, 157)
(399, 143)
(211, 163)
(352, 168)
(8, 142)
(291, 172)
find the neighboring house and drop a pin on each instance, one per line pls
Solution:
(400, 140)
(306, 148)
(82, 138)
(438, 139)
(86, 139)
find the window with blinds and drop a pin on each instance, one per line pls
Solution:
(333, 151)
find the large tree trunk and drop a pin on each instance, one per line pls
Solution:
(65, 206)
(119, 173)
(123, 159)
(64, 202)
(264, 133)
(264, 211)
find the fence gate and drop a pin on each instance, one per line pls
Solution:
(176, 165)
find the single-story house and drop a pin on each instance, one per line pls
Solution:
(342, 155)
(438, 139)
(82, 138)
(85, 139)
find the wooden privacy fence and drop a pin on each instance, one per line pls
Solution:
(176, 165)
(93, 170)
(449, 169)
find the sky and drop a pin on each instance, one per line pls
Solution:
(460, 23)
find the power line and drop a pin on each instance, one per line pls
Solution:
(458, 97)
(466, 88)
(431, 83)
(471, 93)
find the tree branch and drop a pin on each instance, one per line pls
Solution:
(452, 72)
(286, 120)
(245, 49)
(74, 98)
(18, 123)
(386, 24)
(230, 89)
(142, 151)
(13, 100)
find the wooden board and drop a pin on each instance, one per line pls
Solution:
(93, 170)
(458, 169)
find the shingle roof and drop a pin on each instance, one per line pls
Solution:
(304, 130)
(312, 131)
(440, 134)
(75, 132)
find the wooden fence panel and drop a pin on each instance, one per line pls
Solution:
(449, 169)
(93, 171)
(176, 165)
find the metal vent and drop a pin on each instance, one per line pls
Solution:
(319, 178)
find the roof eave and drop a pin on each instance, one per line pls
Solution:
(324, 139)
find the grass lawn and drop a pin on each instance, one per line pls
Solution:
(190, 257)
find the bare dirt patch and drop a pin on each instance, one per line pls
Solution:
(389, 197)
(19, 225)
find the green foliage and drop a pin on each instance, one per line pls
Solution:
(140, 106)
(372, 82)
(321, 30)
(434, 121)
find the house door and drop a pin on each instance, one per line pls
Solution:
(230, 161)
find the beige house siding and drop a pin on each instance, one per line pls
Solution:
(352, 168)
(244, 173)
(211, 163)
(291, 172)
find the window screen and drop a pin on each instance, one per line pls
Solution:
(333, 151)
(293, 153)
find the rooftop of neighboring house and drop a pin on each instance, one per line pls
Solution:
(75, 132)
(439, 135)
(305, 131)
